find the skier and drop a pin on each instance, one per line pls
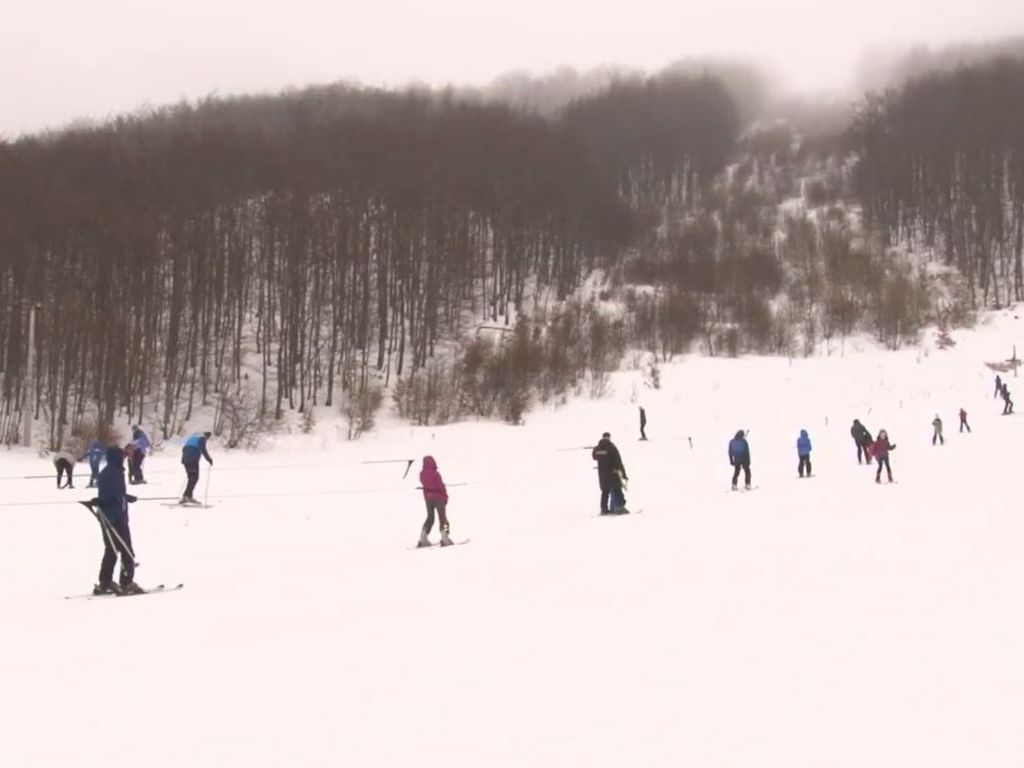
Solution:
(643, 423)
(999, 386)
(937, 434)
(436, 497)
(963, 421)
(610, 475)
(803, 451)
(739, 457)
(95, 455)
(111, 508)
(140, 447)
(1007, 402)
(194, 448)
(880, 449)
(862, 438)
(64, 462)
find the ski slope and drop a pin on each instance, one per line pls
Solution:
(817, 622)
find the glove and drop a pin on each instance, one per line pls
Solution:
(131, 499)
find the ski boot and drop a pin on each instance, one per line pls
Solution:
(424, 540)
(445, 541)
(131, 588)
(185, 500)
(106, 588)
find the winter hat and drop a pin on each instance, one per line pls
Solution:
(606, 436)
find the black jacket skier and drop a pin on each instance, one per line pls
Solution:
(862, 437)
(610, 471)
(111, 509)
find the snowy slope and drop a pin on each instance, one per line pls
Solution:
(812, 622)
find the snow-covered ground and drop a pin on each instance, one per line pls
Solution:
(809, 623)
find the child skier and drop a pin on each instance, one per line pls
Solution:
(610, 475)
(1007, 402)
(111, 509)
(739, 458)
(436, 497)
(880, 449)
(803, 452)
(937, 434)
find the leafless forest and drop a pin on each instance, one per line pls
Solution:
(321, 247)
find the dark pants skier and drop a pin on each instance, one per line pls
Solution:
(745, 466)
(883, 460)
(863, 449)
(114, 547)
(805, 463)
(439, 506)
(192, 472)
(135, 466)
(63, 466)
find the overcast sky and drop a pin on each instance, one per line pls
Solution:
(64, 59)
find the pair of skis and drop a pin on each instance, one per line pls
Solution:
(157, 590)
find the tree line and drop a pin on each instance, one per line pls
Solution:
(299, 249)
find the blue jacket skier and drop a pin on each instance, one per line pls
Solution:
(803, 452)
(95, 455)
(739, 457)
(191, 452)
(111, 508)
(139, 448)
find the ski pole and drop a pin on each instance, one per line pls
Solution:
(108, 529)
(206, 488)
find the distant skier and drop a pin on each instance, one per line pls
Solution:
(862, 438)
(739, 458)
(1007, 402)
(140, 448)
(95, 454)
(880, 448)
(64, 463)
(435, 494)
(610, 475)
(643, 423)
(999, 386)
(111, 508)
(191, 452)
(803, 452)
(937, 434)
(963, 421)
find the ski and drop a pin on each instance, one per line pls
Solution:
(151, 591)
(179, 505)
(437, 545)
(620, 514)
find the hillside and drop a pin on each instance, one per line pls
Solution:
(809, 622)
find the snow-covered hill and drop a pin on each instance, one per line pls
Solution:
(814, 622)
